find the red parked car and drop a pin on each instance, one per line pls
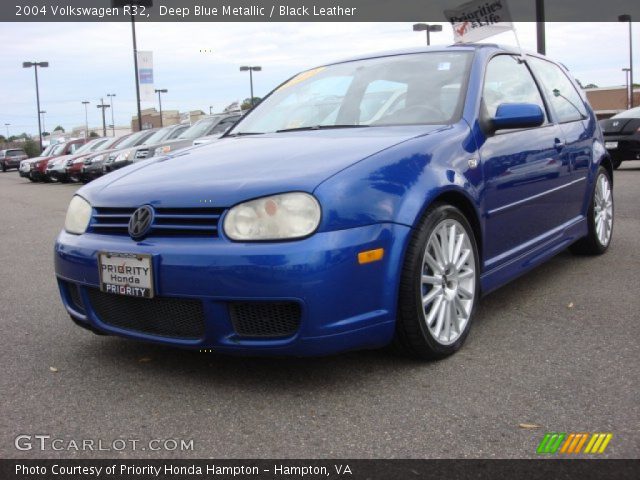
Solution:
(35, 169)
(73, 166)
(56, 168)
(11, 158)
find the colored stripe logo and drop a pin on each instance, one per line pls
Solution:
(574, 443)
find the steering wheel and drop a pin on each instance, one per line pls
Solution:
(415, 113)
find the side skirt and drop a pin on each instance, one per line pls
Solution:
(544, 249)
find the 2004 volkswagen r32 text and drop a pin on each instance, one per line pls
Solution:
(363, 203)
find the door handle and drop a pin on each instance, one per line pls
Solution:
(558, 144)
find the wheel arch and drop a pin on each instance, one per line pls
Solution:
(607, 163)
(466, 206)
(462, 201)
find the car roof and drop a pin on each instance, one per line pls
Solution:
(469, 47)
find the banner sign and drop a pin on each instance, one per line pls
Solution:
(145, 76)
(474, 21)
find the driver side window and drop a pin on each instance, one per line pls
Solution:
(509, 81)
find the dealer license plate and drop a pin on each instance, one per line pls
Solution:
(610, 145)
(126, 274)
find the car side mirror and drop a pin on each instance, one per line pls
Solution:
(517, 115)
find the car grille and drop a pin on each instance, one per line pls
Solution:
(162, 316)
(265, 319)
(167, 221)
(142, 153)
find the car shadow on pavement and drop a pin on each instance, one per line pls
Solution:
(317, 373)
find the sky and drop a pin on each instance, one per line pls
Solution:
(198, 63)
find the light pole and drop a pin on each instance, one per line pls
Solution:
(35, 65)
(540, 33)
(210, 109)
(425, 27)
(626, 71)
(142, 3)
(86, 119)
(7, 125)
(251, 70)
(160, 92)
(113, 125)
(44, 129)
(104, 122)
(627, 18)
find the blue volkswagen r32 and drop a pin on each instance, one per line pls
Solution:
(363, 203)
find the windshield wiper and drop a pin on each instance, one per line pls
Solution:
(320, 127)
(239, 134)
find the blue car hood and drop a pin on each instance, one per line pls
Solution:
(235, 169)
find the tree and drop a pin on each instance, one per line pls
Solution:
(59, 129)
(2, 139)
(246, 103)
(579, 83)
(590, 85)
(31, 148)
(93, 134)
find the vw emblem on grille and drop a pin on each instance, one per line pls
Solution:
(615, 124)
(140, 222)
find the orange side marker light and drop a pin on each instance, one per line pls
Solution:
(370, 256)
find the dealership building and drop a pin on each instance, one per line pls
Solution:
(607, 101)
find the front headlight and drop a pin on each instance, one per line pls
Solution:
(96, 159)
(78, 216)
(123, 156)
(162, 150)
(278, 217)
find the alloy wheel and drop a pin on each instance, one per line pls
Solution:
(603, 210)
(448, 282)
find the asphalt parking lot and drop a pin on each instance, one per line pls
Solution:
(557, 349)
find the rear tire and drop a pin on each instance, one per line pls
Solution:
(4, 167)
(439, 287)
(599, 218)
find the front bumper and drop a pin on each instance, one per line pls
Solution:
(343, 305)
(12, 163)
(92, 171)
(56, 173)
(113, 166)
(628, 147)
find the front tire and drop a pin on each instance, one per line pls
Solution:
(616, 162)
(599, 218)
(439, 287)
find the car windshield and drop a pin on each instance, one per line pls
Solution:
(90, 146)
(225, 125)
(58, 150)
(135, 139)
(158, 136)
(422, 88)
(199, 129)
(46, 151)
(178, 131)
(15, 153)
(631, 113)
(107, 144)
